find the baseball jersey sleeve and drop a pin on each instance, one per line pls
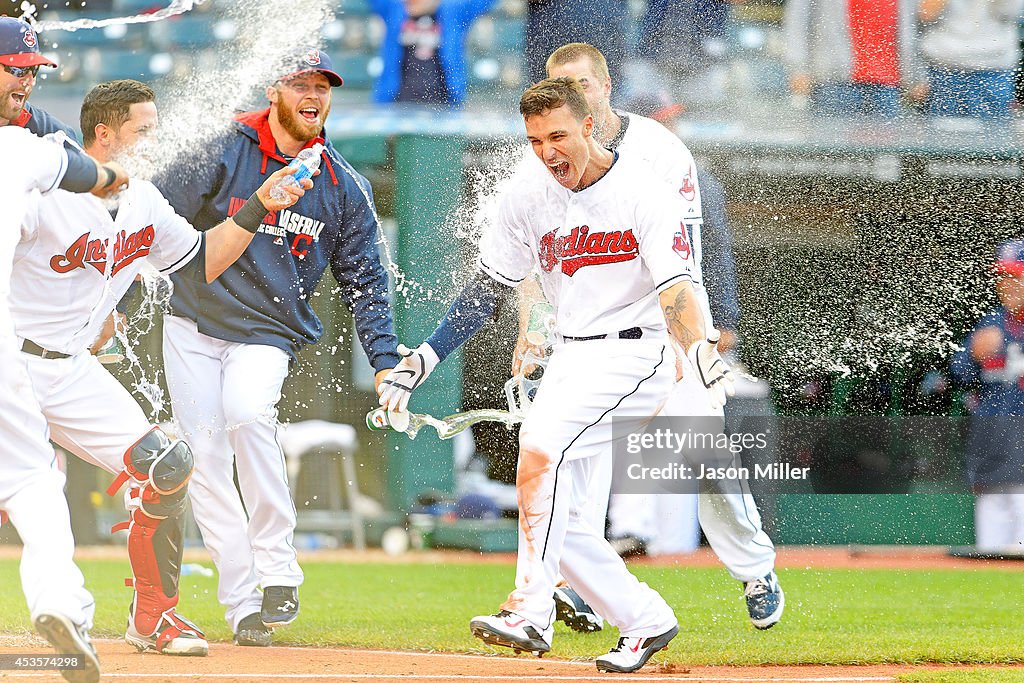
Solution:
(44, 161)
(175, 243)
(664, 242)
(505, 252)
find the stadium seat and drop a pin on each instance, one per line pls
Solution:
(191, 32)
(354, 67)
(355, 7)
(108, 65)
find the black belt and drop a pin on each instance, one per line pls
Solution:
(30, 346)
(631, 333)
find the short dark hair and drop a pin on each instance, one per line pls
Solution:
(552, 93)
(109, 103)
(574, 51)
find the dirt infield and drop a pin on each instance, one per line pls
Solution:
(230, 664)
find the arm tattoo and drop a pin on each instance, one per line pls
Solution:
(677, 325)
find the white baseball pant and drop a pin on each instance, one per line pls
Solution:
(32, 495)
(564, 451)
(999, 518)
(224, 396)
(669, 522)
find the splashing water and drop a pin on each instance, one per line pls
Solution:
(175, 8)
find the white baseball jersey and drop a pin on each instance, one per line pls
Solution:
(603, 253)
(667, 157)
(75, 262)
(40, 166)
(670, 159)
(31, 487)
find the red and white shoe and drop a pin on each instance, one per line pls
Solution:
(175, 635)
(632, 653)
(508, 629)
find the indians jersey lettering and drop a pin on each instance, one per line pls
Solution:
(88, 260)
(603, 253)
(581, 248)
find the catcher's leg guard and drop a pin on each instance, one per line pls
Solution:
(161, 468)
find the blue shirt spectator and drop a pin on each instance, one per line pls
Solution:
(424, 49)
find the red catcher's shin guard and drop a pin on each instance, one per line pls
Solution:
(154, 551)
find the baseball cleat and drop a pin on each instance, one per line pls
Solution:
(511, 630)
(174, 635)
(252, 633)
(572, 610)
(69, 639)
(280, 605)
(632, 653)
(765, 601)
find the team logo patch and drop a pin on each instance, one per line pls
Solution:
(29, 38)
(582, 248)
(312, 57)
(288, 228)
(681, 243)
(688, 189)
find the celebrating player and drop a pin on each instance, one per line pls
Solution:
(616, 265)
(74, 262)
(21, 61)
(730, 519)
(228, 345)
(31, 486)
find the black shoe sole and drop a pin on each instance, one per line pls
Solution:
(492, 637)
(60, 634)
(249, 638)
(660, 643)
(567, 615)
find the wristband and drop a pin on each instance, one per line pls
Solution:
(251, 215)
(110, 177)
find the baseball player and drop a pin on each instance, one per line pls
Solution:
(21, 61)
(31, 485)
(73, 263)
(730, 519)
(228, 345)
(616, 265)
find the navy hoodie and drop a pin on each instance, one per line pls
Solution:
(265, 296)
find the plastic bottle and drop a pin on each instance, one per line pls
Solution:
(307, 162)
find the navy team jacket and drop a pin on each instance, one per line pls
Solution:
(40, 122)
(265, 296)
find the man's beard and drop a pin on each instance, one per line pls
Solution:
(8, 110)
(298, 127)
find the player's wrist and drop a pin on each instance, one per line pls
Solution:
(251, 215)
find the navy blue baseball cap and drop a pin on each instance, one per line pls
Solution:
(1010, 258)
(19, 44)
(312, 59)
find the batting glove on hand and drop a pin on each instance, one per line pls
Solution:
(415, 366)
(713, 372)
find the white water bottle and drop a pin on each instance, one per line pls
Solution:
(306, 162)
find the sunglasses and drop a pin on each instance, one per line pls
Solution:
(21, 71)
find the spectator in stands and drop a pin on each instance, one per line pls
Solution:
(424, 49)
(972, 49)
(681, 45)
(553, 23)
(992, 362)
(20, 61)
(853, 57)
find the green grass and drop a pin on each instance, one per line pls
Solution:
(832, 616)
(970, 676)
